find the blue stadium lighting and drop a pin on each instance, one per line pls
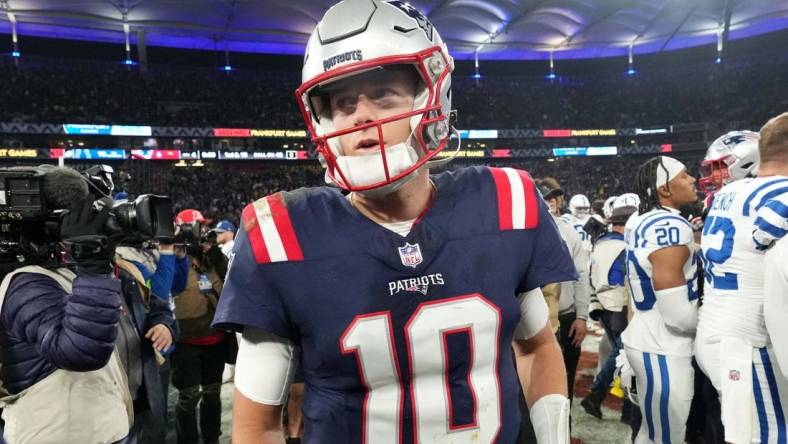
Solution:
(228, 68)
(16, 54)
(551, 76)
(477, 76)
(719, 60)
(128, 62)
(631, 71)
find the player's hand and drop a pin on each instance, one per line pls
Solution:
(577, 331)
(161, 337)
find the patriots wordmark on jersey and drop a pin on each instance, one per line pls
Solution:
(402, 338)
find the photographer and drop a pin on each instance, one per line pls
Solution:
(200, 354)
(58, 325)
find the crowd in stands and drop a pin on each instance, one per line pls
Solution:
(743, 93)
(48, 92)
(221, 191)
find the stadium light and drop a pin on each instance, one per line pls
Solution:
(476, 74)
(126, 32)
(14, 37)
(551, 76)
(631, 71)
(227, 66)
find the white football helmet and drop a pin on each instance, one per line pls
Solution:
(623, 207)
(579, 206)
(731, 157)
(607, 209)
(359, 36)
(627, 200)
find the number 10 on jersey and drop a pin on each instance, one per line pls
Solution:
(370, 338)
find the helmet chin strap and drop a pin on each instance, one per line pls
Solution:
(394, 186)
(368, 169)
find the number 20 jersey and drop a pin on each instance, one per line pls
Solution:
(733, 267)
(402, 339)
(645, 234)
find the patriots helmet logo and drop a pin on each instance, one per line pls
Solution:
(410, 254)
(734, 139)
(424, 22)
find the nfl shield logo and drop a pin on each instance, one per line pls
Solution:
(410, 255)
(734, 375)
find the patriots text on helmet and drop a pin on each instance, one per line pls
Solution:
(342, 58)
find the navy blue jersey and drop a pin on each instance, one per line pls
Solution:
(403, 339)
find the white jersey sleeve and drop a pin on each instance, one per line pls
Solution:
(534, 314)
(263, 353)
(771, 222)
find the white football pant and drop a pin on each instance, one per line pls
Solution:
(665, 386)
(769, 393)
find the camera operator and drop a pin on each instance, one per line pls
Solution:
(147, 326)
(198, 360)
(59, 326)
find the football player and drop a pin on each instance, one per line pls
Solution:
(579, 212)
(402, 295)
(771, 227)
(733, 347)
(663, 279)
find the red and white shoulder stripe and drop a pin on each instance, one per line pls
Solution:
(270, 230)
(518, 208)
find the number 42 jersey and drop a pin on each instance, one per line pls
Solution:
(733, 294)
(403, 339)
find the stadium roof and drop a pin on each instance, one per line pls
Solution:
(498, 29)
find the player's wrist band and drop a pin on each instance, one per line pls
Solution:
(550, 418)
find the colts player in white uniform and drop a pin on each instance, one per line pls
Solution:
(662, 273)
(733, 346)
(579, 212)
